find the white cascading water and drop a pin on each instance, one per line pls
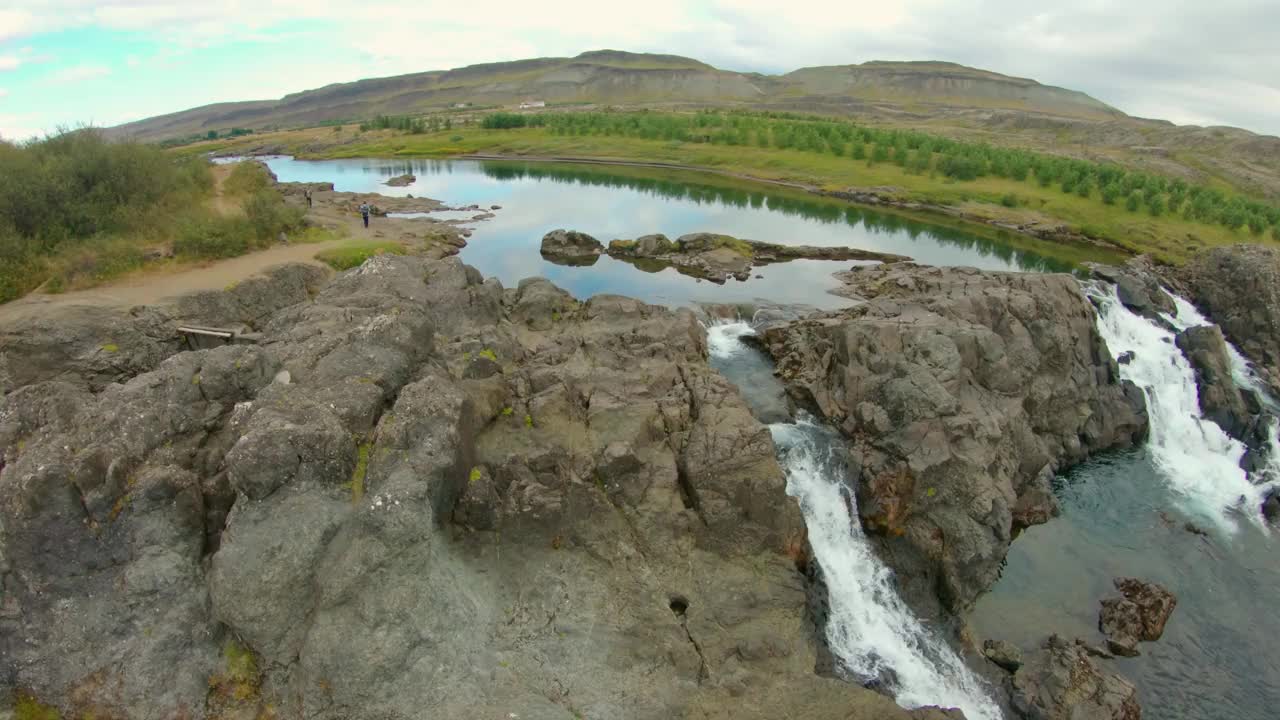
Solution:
(869, 628)
(1200, 462)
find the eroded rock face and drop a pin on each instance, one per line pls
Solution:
(961, 392)
(1139, 613)
(1238, 287)
(1062, 681)
(465, 501)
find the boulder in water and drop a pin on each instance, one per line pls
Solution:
(1139, 613)
(1220, 400)
(401, 180)
(1002, 653)
(571, 247)
(1271, 505)
(1062, 681)
(1138, 287)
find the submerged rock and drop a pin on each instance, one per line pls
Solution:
(961, 393)
(571, 247)
(1061, 681)
(401, 180)
(1139, 613)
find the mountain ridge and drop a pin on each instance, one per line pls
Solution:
(620, 77)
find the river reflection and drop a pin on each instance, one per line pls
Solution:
(622, 202)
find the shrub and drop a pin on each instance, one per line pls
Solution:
(503, 120)
(247, 178)
(211, 237)
(269, 215)
(1009, 200)
(354, 254)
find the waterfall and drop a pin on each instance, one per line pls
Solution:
(1199, 461)
(869, 628)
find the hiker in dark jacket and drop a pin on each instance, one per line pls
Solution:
(364, 213)
(307, 193)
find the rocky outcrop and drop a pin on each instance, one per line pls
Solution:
(1238, 287)
(961, 393)
(1220, 399)
(570, 247)
(401, 180)
(1062, 681)
(1003, 654)
(1138, 288)
(716, 257)
(420, 492)
(1139, 613)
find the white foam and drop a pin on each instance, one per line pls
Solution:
(1199, 461)
(872, 632)
(724, 338)
(869, 628)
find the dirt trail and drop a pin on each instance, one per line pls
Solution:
(151, 287)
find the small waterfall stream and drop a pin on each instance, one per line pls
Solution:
(869, 628)
(1200, 462)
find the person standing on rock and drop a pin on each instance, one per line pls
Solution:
(364, 213)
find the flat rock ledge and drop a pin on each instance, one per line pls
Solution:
(716, 257)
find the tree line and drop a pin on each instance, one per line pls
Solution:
(919, 153)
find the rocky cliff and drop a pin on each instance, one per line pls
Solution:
(961, 393)
(414, 492)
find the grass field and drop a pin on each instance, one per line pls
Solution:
(1168, 238)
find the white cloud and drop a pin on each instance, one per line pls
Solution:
(4, 93)
(78, 73)
(9, 62)
(1167, 56)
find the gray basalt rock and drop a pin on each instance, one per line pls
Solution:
(1139, 613)
(590, 523)
(1138, 288)
(717, 257)
(1062, 681)
(571, 246)
(1220, 399)
(961, 393)
(1003, 654)
(1238, 287)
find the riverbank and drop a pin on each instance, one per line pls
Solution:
(1023, 207)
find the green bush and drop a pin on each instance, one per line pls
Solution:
(1009, 200)
(354, 254)
(73, 191)
(212, 237)
(247, 178)
(269, 215)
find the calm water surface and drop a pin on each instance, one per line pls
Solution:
(616, 202)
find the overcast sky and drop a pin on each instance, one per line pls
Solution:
(65, 62)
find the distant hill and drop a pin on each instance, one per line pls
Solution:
(622, 78)
(937, 96)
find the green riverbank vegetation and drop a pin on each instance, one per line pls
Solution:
(77, 209)
(1138, 212)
